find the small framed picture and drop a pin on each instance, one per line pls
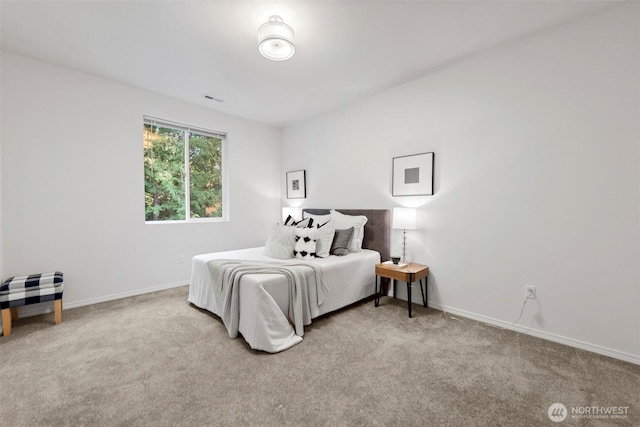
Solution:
(412, 175)
(296, 185)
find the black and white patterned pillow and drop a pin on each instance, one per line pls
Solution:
(307, 222)
(306, 241)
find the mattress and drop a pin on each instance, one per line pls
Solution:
(264, 298)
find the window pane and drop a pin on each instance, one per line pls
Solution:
(205, 175)
(164, 194)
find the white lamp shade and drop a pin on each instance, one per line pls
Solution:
(276, 39)
(404, 218)
(296, 213)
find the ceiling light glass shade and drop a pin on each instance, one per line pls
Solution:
(276, 39)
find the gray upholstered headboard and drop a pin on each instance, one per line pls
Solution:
(376, 230)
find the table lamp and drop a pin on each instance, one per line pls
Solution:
(296, 213)
(404, 219)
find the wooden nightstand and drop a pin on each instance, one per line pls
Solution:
(409, 273)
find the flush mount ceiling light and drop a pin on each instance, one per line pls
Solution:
(276, 39)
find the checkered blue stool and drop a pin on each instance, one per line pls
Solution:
(26, 290)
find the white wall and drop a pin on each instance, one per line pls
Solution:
(536, 164)
(72, 183)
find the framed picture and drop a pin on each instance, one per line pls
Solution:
(412, 175)
(296, 185)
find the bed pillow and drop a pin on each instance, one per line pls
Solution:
(281, 242)
(305, 242)
(318, 219)
(341, 242)
(343, 222)
(307, 222)
(326, 233)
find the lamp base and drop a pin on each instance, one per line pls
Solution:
(404, 247)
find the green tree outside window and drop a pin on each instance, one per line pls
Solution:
(168, 173)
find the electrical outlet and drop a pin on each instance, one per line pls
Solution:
(530, 292)
(180, 259)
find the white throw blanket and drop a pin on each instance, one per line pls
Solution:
(226, 275)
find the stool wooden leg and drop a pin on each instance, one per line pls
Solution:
(14, 313)
(57, 307)
(6, 321)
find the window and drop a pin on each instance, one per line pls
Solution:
(183, 172)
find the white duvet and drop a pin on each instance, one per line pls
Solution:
(264, 298)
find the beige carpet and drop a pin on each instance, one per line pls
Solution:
(155, 360)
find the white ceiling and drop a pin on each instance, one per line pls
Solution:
(345, 50)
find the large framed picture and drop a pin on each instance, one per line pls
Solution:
(412, 175)
(296, 185)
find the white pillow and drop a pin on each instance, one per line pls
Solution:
(281, 242)
(342, 222)
(305, 246)
(326, 232)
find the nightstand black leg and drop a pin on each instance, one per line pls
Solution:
(394, 289)
(424, 292)
(376, 299)
(409, 299)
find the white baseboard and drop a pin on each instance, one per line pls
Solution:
(627, 357)
(35, 309)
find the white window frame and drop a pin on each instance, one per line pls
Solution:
(149, 120)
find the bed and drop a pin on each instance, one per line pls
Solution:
(264, 312)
